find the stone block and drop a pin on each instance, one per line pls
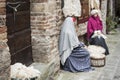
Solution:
(2, 0)
(3, 29)
(45, 48)
(2, 11)
(2, 4)
(38, 1)
(4, 57)
(3, 36)
(47, 70)
(82, 29)
(5, 64)
(51, 6)
(37, 7)
(5, 73)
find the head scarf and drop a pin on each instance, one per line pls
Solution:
(94, 11)
(68, 39)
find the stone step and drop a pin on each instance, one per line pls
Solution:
(47, 70)
(43, 68)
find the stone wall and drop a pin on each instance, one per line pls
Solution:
(104, 13)
(4, 51)
(45, 23)
(44, 30)
(81, 31)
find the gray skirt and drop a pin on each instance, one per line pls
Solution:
(78, 61)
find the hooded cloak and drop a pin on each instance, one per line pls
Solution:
(68, 39)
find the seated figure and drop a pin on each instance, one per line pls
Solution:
(74, 57)
(95, 26)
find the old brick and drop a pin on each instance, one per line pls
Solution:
(5, 73)
(37, 7)
(3, 29)
(2, 0)
(82, 29)
(2, 11)
(5, 64)
(50, 8)
(3, 36)
(2, 4)
(38, 1)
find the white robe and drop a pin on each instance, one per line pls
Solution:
(68, 39)
(72, 8)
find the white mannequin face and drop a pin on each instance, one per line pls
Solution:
(95, 15)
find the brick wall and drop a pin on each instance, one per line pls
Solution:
(44, 30)
(45, 24)
(4, 51)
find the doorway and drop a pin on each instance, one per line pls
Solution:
(19, 31)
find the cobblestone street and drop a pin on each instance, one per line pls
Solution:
(111, 71)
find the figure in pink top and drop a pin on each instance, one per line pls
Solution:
(95, 25)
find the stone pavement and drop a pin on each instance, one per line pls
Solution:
(111, 71)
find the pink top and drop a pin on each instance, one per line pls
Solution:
(94, 23)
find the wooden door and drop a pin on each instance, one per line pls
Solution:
(19, 31)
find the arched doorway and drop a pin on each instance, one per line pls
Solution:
(19, 31)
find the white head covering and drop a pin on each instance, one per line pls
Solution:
(94, 11)
(68, 39)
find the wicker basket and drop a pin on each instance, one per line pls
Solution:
(97, 55)
(98, 62)
(35, 78)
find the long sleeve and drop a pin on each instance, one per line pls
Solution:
(100, 27)
(89, 30)
(101, 24)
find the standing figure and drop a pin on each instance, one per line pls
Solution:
(74, 57)
(94, 27)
